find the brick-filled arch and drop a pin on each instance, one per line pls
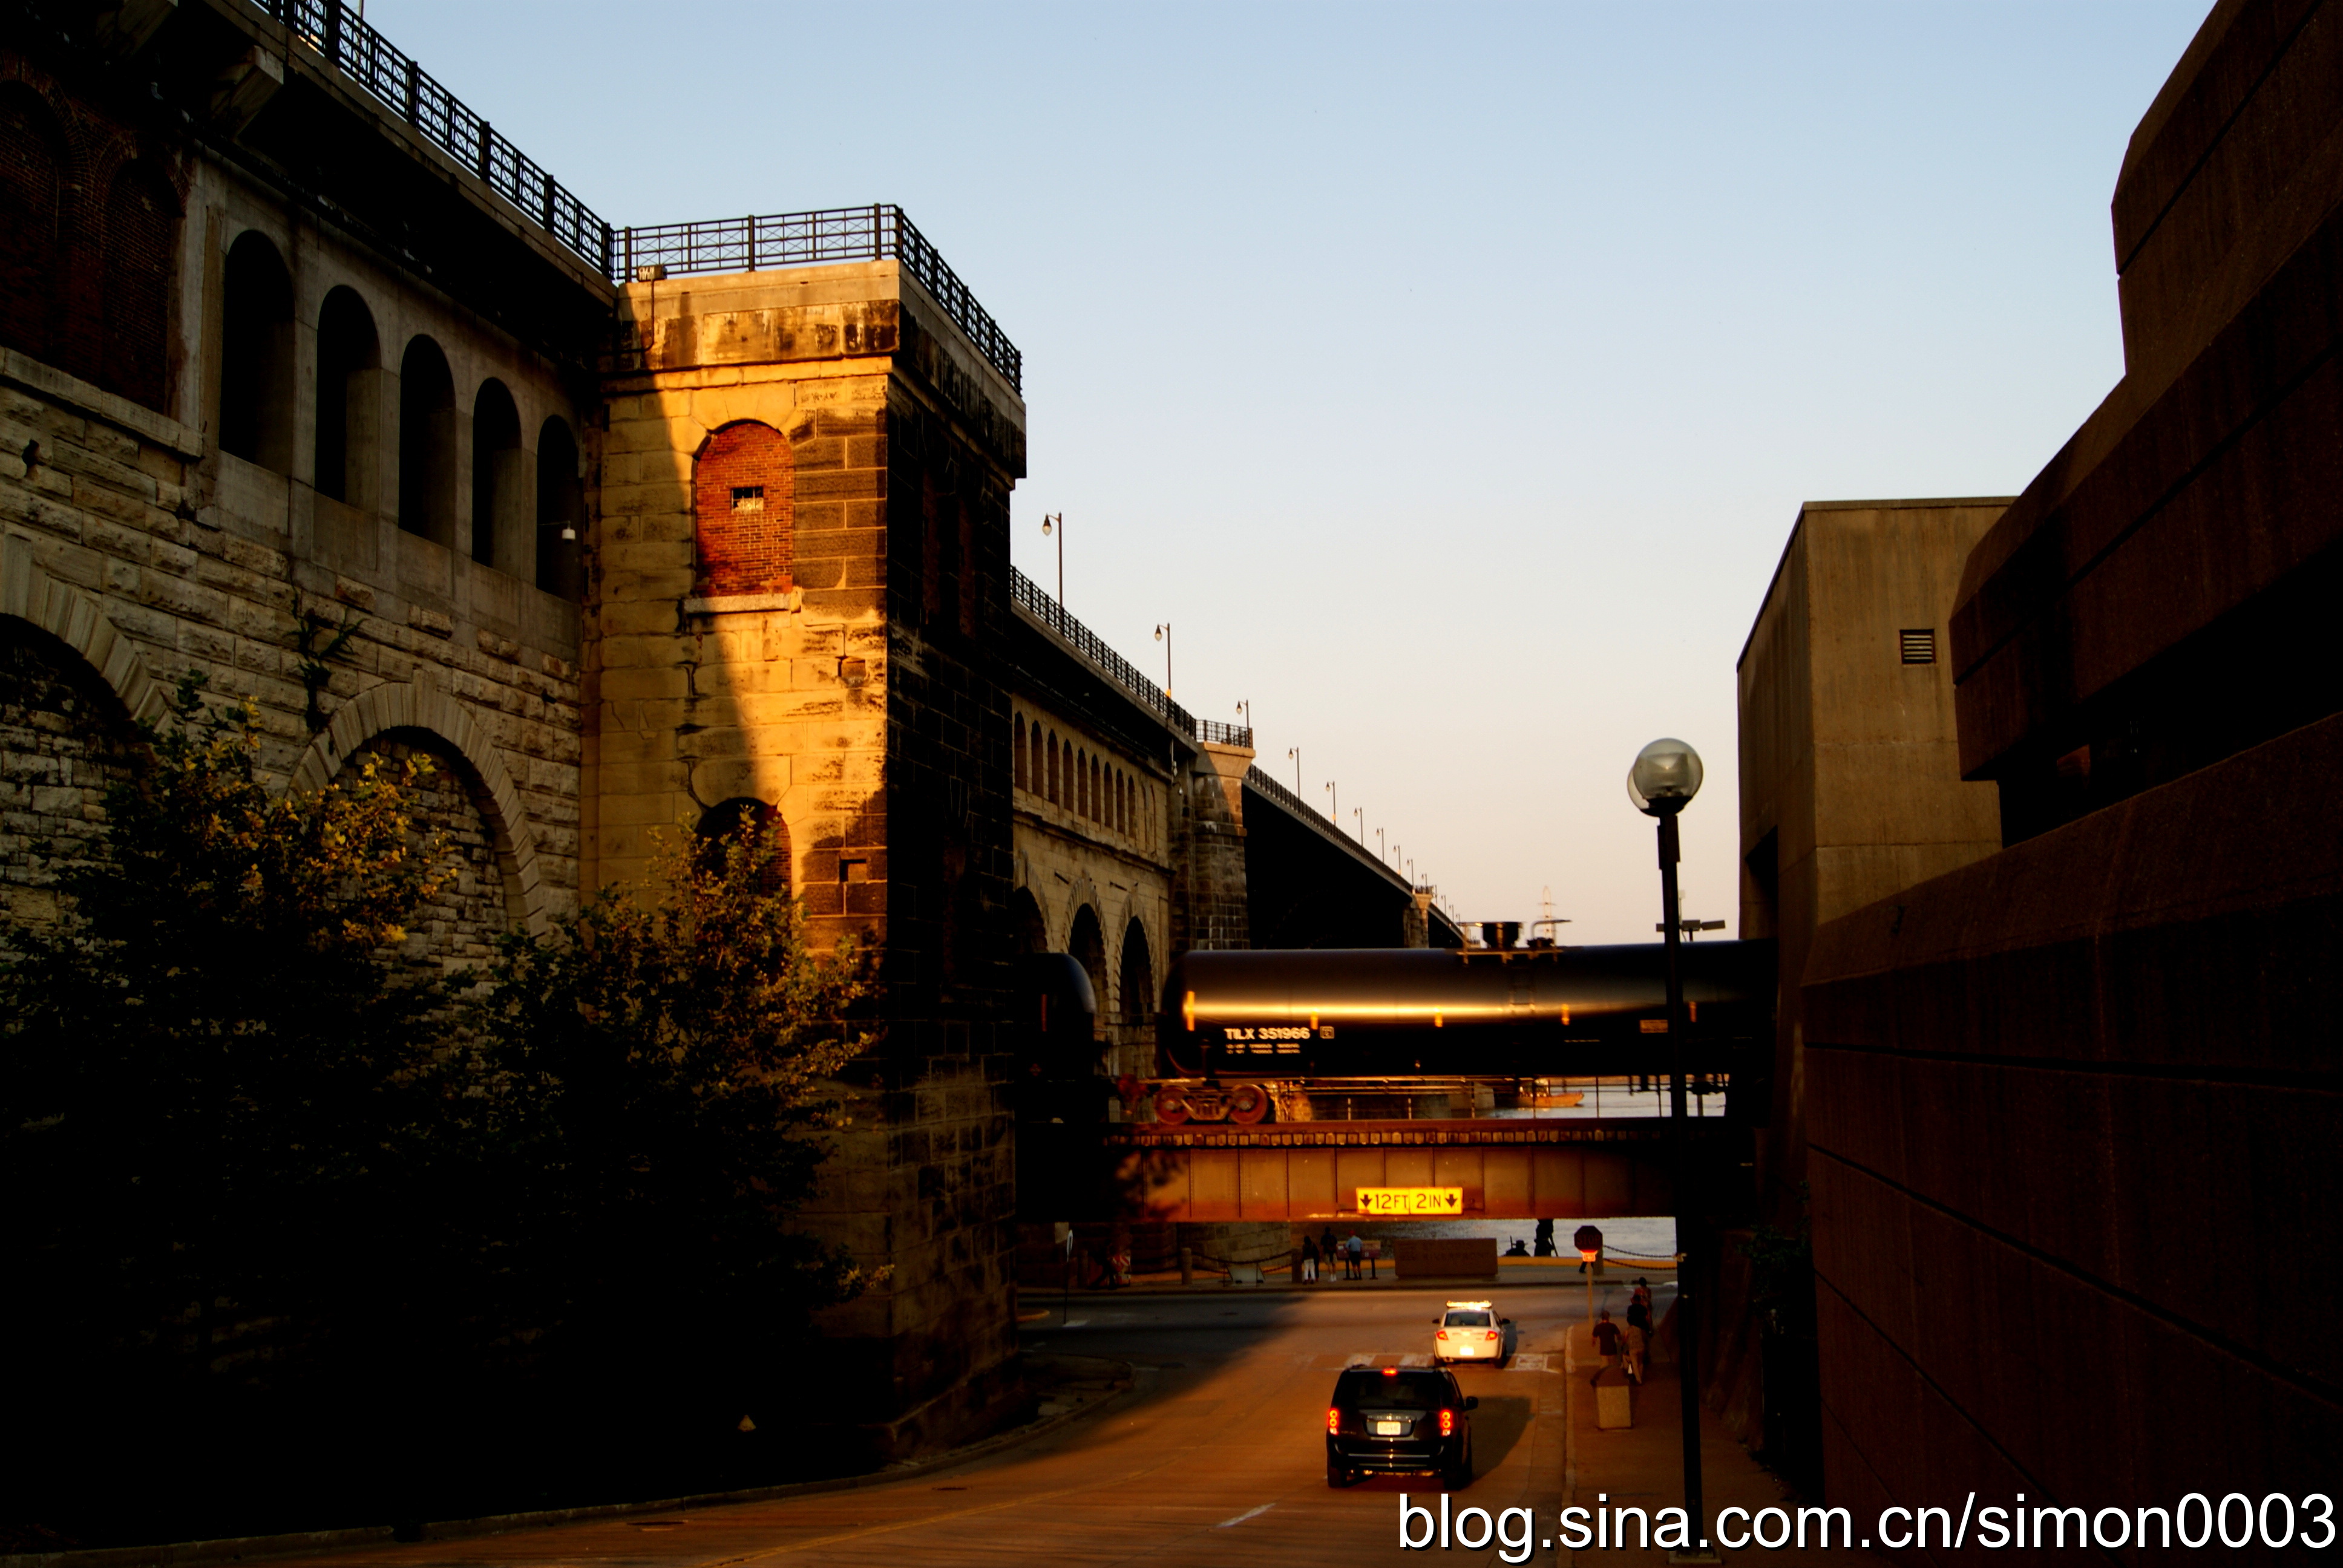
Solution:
(744, 497)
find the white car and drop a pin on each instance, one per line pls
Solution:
(1472, 1331)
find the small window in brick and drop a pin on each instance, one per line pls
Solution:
(1919, 645)
(744, 489)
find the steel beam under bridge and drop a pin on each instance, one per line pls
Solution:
(1509, 1170)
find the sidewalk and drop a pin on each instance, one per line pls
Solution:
(1642, 1467)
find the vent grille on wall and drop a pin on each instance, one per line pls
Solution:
(1919, 647)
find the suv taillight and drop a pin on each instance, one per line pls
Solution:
(1448, 1423)
(1334, 1419)
(1492, 1336)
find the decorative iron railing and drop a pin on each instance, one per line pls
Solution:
(1257, 779)
(1029, 597)
(347, 42)
(875, 233)
(1219, 734)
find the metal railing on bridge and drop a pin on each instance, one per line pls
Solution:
(874, 233)
(1028, 596)
(346, 41)
(879, 232)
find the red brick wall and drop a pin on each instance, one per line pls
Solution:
(89, 216)
(744, 549)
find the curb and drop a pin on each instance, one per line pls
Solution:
(243, 1548)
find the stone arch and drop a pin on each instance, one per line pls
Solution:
(1028, 927)
(1086, 941)
(727, 817)
(64, 733)
(501, 501)
(350, 398)
(406, 704)
(1135, 975)
(426, 442)
(76, 619)
(255, 391)
(1017, 752)
(744, 499)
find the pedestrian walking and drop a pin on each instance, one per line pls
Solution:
(1639, 1307)
(1608, 1343)
(1639, 1350)
(1353, 1250)
(1309, 1261)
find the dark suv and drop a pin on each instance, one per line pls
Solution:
(1399, 1419)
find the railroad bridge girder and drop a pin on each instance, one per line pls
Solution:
(1508, 1169)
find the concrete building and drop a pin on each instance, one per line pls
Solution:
(1850, 779)
(2072, 1107)
(632, 531)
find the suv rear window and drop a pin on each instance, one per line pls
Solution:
(1467, 1321)
(1408, 1391)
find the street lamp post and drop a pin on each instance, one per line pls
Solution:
(1055, 523)
(1335, 796)
(1163, 636)
(1295, 752)
(1360, 813)
(1665, 776)
(1245, 708)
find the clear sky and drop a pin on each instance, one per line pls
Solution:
(1448, 376)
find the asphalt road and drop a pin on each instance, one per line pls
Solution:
(1216, 1456)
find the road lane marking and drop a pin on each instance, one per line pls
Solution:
(1248, 1513)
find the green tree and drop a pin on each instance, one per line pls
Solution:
(653, 1079)
(208, 1080)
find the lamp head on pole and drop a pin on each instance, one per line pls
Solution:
(1664, 778)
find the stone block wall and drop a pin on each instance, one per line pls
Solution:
(861, 701)
(1209, 901)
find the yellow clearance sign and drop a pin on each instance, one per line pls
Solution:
(1412, 1202)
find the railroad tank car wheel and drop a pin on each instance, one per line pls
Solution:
(1248, 1103)
(1171, 1106)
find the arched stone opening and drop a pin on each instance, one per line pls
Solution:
(723, 822)
(744, 511)
(501, 498)
(1135, 999)
(65, 739)
(1029, 928)
(1017, 750)
(560, 512)
(479, 897)
(142, 229)
(404, 705)
(256, 399)
(1087, 942)
(427, 443)
(349, 399)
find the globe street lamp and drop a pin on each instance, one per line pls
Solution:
(1665, 776)
(1055, 523)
